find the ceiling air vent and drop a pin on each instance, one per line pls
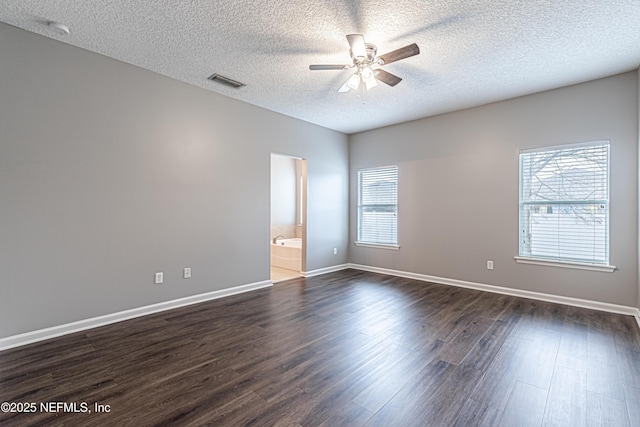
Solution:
(225, 81)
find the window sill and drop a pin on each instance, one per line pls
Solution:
(566, 264)
(377, 245)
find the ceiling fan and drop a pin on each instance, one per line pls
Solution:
(367, 64)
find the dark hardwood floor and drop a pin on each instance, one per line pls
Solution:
(348, 348)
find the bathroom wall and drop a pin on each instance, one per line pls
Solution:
(284, 195)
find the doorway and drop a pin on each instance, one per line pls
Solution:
(288, 217)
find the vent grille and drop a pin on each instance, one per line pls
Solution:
(225, 81)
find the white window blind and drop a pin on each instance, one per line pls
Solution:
(378, 205)
(564, 203)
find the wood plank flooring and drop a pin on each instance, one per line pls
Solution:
(344, 349)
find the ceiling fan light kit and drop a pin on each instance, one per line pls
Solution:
(367, 64)
(354, 82)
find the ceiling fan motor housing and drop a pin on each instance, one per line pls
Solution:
(371, 50)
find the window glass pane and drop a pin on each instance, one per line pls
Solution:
(564, 203)
(378, 205)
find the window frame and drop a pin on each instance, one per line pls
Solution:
(566, 262)
(359, 205)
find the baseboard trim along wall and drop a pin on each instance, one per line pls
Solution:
(56, 331)
(577, 302)
(81, 325)
(325, 270)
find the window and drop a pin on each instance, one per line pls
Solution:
(378, 206)
(564, 203)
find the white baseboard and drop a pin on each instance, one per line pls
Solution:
(577, 302)
(325, 270)
(56, 331)
(81, 325)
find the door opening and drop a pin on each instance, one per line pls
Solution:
(288, 217)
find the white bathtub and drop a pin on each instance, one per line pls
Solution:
(287, 253)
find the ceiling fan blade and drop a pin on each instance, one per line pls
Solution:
(345, 87)
(388, 78)
(329, 67)
(356, 42)
(398, 54)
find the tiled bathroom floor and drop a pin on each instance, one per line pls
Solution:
(281, 274)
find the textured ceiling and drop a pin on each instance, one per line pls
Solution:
(472, 51)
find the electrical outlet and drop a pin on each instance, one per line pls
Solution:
(186, 272)
(335, 251)
(489, 265)
(159, 277)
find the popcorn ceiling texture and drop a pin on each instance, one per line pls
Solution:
(472, 51)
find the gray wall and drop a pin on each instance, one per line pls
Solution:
(458, 188)
(109, 173)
